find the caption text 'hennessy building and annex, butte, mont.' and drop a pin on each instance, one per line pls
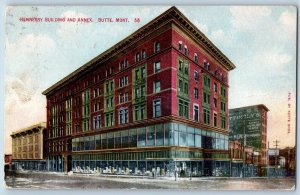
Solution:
(158, 99)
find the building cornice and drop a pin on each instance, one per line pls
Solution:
(38, 126)
(174, 14)
(262, 106)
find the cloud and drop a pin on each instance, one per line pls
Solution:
(273, 61)
(289, 22)
(244, 17)
(218, 35)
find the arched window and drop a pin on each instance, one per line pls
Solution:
(180, 45)
(156, 47)
(185, 50)
(137, 57)
(196, 57)
(143, 54)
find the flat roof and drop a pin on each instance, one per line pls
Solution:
(258, 106)
(34, 126)
(175, 14)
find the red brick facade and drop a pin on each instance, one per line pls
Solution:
(169, 29)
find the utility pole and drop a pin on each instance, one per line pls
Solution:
(276, 144)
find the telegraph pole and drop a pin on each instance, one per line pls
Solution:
(276, 144)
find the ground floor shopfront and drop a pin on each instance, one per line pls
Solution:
(146, 166)
(166, 148)
(37, 165)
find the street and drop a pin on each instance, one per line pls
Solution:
(34, 180)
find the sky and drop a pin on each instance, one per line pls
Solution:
(259, 40)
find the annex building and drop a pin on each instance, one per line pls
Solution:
(156, 100)
(27, 148)
(248, 126)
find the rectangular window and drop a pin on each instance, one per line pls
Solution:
(126, 80)
(180, 66)
(107, 103)
(223, 91)
(143, 112)
(215, 103)
(215, 87)
(223, 106)
(156, 86)
(156, 67)
(137, 74)
(121, 98)
(121, 83)
(196, 75)
(143, 91)
(123, 116)
(180, 85)
(183, 108)
(186, 69)
(215, 119)
(206, 81)
(223, 122)
(126, 96)
(186, 89)
(196, 93)
(206, 98)
(143, 70)
(111, 86)
(196, 113)
(206, 116)
(97, 122)
(156, 108)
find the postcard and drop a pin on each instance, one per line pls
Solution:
(150, 97)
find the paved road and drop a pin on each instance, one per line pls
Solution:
(62, 181)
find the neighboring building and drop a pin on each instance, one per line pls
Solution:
(248, 125)
(27, 148)
(240, 157)
(7, 161)
(157, 99)
(273, 154)
(289, 153)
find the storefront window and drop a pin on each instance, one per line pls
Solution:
(198, 141)
(124, 135)
(92, 142)
(182, 139)
(150, 136)
(118, 139)
(141, 137)
(159, 135)
(110, 140)
(191, 141)
(98, 142)
(133, 139)
(104, 141)
(175, 138)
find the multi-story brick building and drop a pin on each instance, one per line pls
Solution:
(248, 125)
(158, 98)
(27, 147)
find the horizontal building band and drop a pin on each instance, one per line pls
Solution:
(168, 134)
